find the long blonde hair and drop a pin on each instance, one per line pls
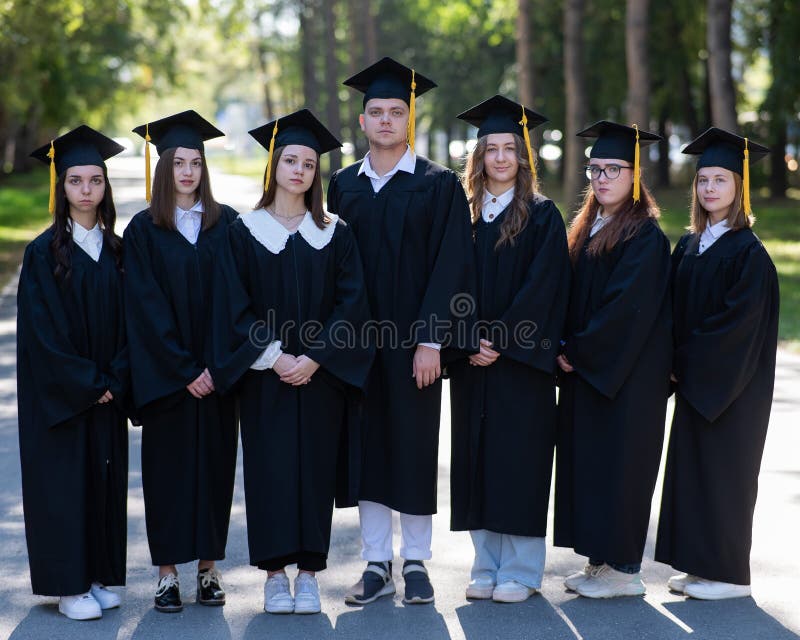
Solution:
(737, 218)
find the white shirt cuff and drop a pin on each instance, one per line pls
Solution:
(432, 345)
(270, 356)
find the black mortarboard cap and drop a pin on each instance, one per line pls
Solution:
(81, 146)
(498, 114)
(300, 127)
(388, 78)
(187, 129)
(719, 148)
(616, 140)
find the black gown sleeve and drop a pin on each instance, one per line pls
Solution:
(65, 382)
(544, 295)
(161, 364)
(606, 350)
(340, 347)
(237, 336)
(717, 361)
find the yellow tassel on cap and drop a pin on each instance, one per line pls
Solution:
(412, 111)
(637, 169)
(147, 187)
(746, 181)
(526, 134)
(269, 157)
(51, 205)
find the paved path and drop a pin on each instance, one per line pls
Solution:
(772, 614)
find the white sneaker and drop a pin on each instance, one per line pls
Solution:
(711, 590)
(572, 581)
(306, 594)
(80, 607)
(512, 591)
(106, 598)
(480, 588)
(277, 597)
(678, 583)
(606, 582)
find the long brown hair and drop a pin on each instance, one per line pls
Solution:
(624, 224)
(312, 197)
(737, 218)
(524, 189)
(162, 206)
(61, 245)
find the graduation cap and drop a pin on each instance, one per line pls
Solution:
(187, 129)
(300, 127)
(719, 148)
(80, 147)
(387, 78)
(619, 141)
(501, 115)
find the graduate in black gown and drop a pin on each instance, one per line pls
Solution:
(288, 326)
(615, 365)
(502, 448)
(189, 431)
(725, 302)
(412, 226)
(73, 384)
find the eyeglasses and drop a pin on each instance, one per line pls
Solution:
(611, 171)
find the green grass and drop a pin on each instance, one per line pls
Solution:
(23, 215)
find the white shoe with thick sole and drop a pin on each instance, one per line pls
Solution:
(480, 588)
(712, 590)
(606, 582)
(512, 591)
(306, 594)
(572, 581)
(80, 607)
(106, 598)
(678, 583)
(277, 597)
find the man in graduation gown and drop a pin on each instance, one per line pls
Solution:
(412, 226)
(725, 301)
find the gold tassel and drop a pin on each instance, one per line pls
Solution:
(637, 169)
(269, 157)
(147, 187)
(526, 134)
(51, 205)
(412, 111)
(746, 180)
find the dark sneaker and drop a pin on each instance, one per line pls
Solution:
(419, 589)
(168, 594)
(209, 588)
(376, 581)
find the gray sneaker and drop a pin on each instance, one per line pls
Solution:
(306, 594)
(277, 597)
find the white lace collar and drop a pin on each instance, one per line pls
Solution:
(273, 235)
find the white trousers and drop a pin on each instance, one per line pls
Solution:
(376, 533)
(504, 557)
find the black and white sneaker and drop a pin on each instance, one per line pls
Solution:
(419, 589)
(376, 581)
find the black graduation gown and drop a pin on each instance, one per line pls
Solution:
(726, 332)
(415, 241)
(188, 445)
(613, 406)
(295, 440)
(71, 348)
(504, 415)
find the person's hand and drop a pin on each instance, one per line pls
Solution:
(284, 362)
(202, 385)
(301, 372)
(564, 364)
(426, 366)
(486, 356)
(106, 397)
(672, 377)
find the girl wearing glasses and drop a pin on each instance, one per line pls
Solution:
(725, 292)
(615, 361)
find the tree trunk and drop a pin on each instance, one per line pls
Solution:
(523, 50)
(637, 106)
(334, 121)
(778, 183)
(720, 76)
(309, 45)
(662, 177)
(574, 158)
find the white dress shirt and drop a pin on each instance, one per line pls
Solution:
(494, 205)
(406, 163)
(599, 222)
(711, 234)
(189, 222)
(90, 240)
